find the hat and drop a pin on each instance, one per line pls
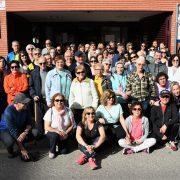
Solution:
(164, 92)
(21, 98)
(79, 53)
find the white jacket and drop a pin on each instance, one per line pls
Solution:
(174, 76)
(83, 94)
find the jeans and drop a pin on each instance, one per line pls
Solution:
(7, 140)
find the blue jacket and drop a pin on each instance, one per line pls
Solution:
(10, 56)
(57, 82)
(16, 121)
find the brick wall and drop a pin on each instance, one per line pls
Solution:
(3, 33)
(68, 5)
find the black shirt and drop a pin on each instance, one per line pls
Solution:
(90, 135)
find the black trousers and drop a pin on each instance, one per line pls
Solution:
(114, 131)
(171, 133)
(78, 115)
(54, 140)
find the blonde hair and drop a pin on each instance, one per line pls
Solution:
(106, 95)
(80, 67)
(174, 84)
(85, 112)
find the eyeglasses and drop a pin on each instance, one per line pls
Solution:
(42, 63)
(92, 113)
(140, 64)
(81, 72)
(59, 100)
(23, 55)
(137, 109)
(14, 67)
(166, 96)
(107, 64)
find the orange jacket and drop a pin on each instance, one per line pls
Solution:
(13, 84)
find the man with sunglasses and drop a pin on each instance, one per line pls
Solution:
(15, 82)
(79, 57)
(29, 50)
(165, 121)
(48, 47)
(37, 91)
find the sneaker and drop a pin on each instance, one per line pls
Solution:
(146, 150)
(82, 159)
(92, 163)
(51, 155)
(173, 146)
(127, 151)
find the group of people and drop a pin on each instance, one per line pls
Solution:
(97, 94)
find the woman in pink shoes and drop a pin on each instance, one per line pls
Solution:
(90, 135)
(138, 127)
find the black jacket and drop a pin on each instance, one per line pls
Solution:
(158, 118)
(35, 83)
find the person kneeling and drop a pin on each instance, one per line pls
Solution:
(90, 135)
(138, 127)
(59, 123)
(17, 126)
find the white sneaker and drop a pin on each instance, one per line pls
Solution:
(51, 155)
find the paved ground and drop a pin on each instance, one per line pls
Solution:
(161, 164)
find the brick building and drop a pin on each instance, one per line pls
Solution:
(83, 20)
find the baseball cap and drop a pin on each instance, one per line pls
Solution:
(79, 53)
(164, 92)
(21, 98)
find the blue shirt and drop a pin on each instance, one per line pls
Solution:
(109, 115)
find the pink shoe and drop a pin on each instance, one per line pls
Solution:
(127, 151)
(82, 159)
(92, 163)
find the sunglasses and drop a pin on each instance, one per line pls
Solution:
(42, 63)
(81, 72)
(93, 61)
(137, 109)
(59, 100)
(30, 49)
(166, 96)
(92, 113)
(112, 97)
(14, 67)
(23, 55)
(37, 53)
(108, 64)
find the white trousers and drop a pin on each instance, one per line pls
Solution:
(146, 144)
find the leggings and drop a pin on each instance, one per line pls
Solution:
(149, 142)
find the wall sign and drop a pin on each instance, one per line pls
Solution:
(2, 5)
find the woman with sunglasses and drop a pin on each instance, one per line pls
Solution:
(58, 124)
(92, 62)
(107, 67)
(110, 114)
(90, 136)
(24, 62)
(15, 82)
(174, 69)
(138, 128)
(82, 93)
(165, 121)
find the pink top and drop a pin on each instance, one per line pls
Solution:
(136, 131)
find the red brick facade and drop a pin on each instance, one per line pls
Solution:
(77, 5)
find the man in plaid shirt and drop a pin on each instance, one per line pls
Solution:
(140, 85)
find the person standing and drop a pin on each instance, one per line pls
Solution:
(14, 55)
(58, 80)
(37, 92)
(15, 82)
